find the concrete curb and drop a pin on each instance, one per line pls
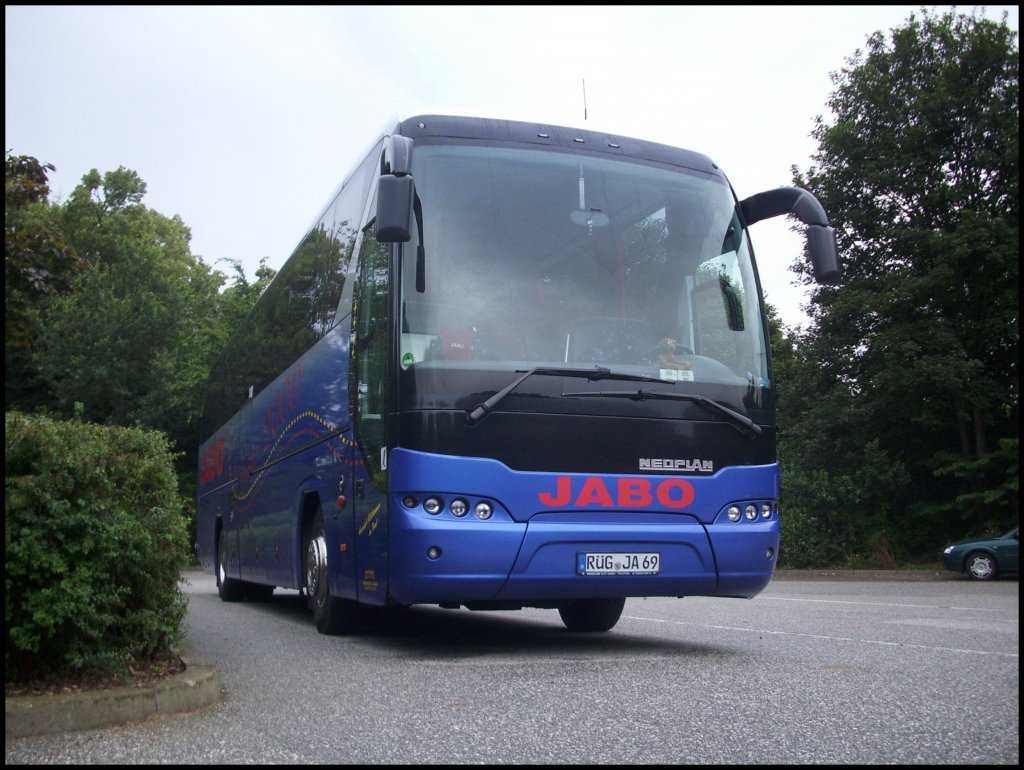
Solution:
(26, 715)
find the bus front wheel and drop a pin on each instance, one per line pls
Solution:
(331, 614)
(591, 615)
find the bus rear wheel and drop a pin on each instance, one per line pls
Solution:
(332, 615)
(229, 589)
(591, 615)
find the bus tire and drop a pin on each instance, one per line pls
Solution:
(229, 589)
(332, 615)
(591, 615)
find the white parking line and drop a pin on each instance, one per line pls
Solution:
(826, 638)
(880, 604)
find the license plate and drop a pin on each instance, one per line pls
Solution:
(618, 563)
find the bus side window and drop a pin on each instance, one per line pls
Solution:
(344, 218)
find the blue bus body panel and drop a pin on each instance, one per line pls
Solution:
(290, 440)
(528, 550)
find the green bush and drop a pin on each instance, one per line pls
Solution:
(94, 540)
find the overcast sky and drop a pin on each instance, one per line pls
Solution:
(243, 120)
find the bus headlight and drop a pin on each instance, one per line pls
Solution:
(484, 511)
(459, 508)
(751, 511)
(432, 505)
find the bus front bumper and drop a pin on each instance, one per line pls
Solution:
(578, 555)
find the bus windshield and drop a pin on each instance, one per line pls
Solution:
(542, 258)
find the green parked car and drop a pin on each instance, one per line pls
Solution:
(984, 558)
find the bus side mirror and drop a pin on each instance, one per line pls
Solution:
(394, 208)
(821, 246)
(821, 237)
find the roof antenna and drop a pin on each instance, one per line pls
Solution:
(584, 99)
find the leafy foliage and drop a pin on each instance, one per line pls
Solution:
(94, 542)
(910, 371)
(135, 341)
(38, 262)
(238, 299)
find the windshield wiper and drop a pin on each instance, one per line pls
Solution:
(643, 395)
(597, 373)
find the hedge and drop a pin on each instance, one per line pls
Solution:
(94, 541)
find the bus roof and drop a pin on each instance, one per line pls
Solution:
(546, 134)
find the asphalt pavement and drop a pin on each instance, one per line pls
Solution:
(199, 686)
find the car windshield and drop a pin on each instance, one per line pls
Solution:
(550, 259)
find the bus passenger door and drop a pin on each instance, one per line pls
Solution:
(371, 391)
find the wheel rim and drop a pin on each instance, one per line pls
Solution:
(221, 573)
(316, 563)
(981, 567)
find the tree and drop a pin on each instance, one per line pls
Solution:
(38, 262)
(237, 299)
(134, 343)
(917, 353)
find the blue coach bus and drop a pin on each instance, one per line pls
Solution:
(510, 365)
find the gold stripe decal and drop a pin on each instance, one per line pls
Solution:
(371, 521)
